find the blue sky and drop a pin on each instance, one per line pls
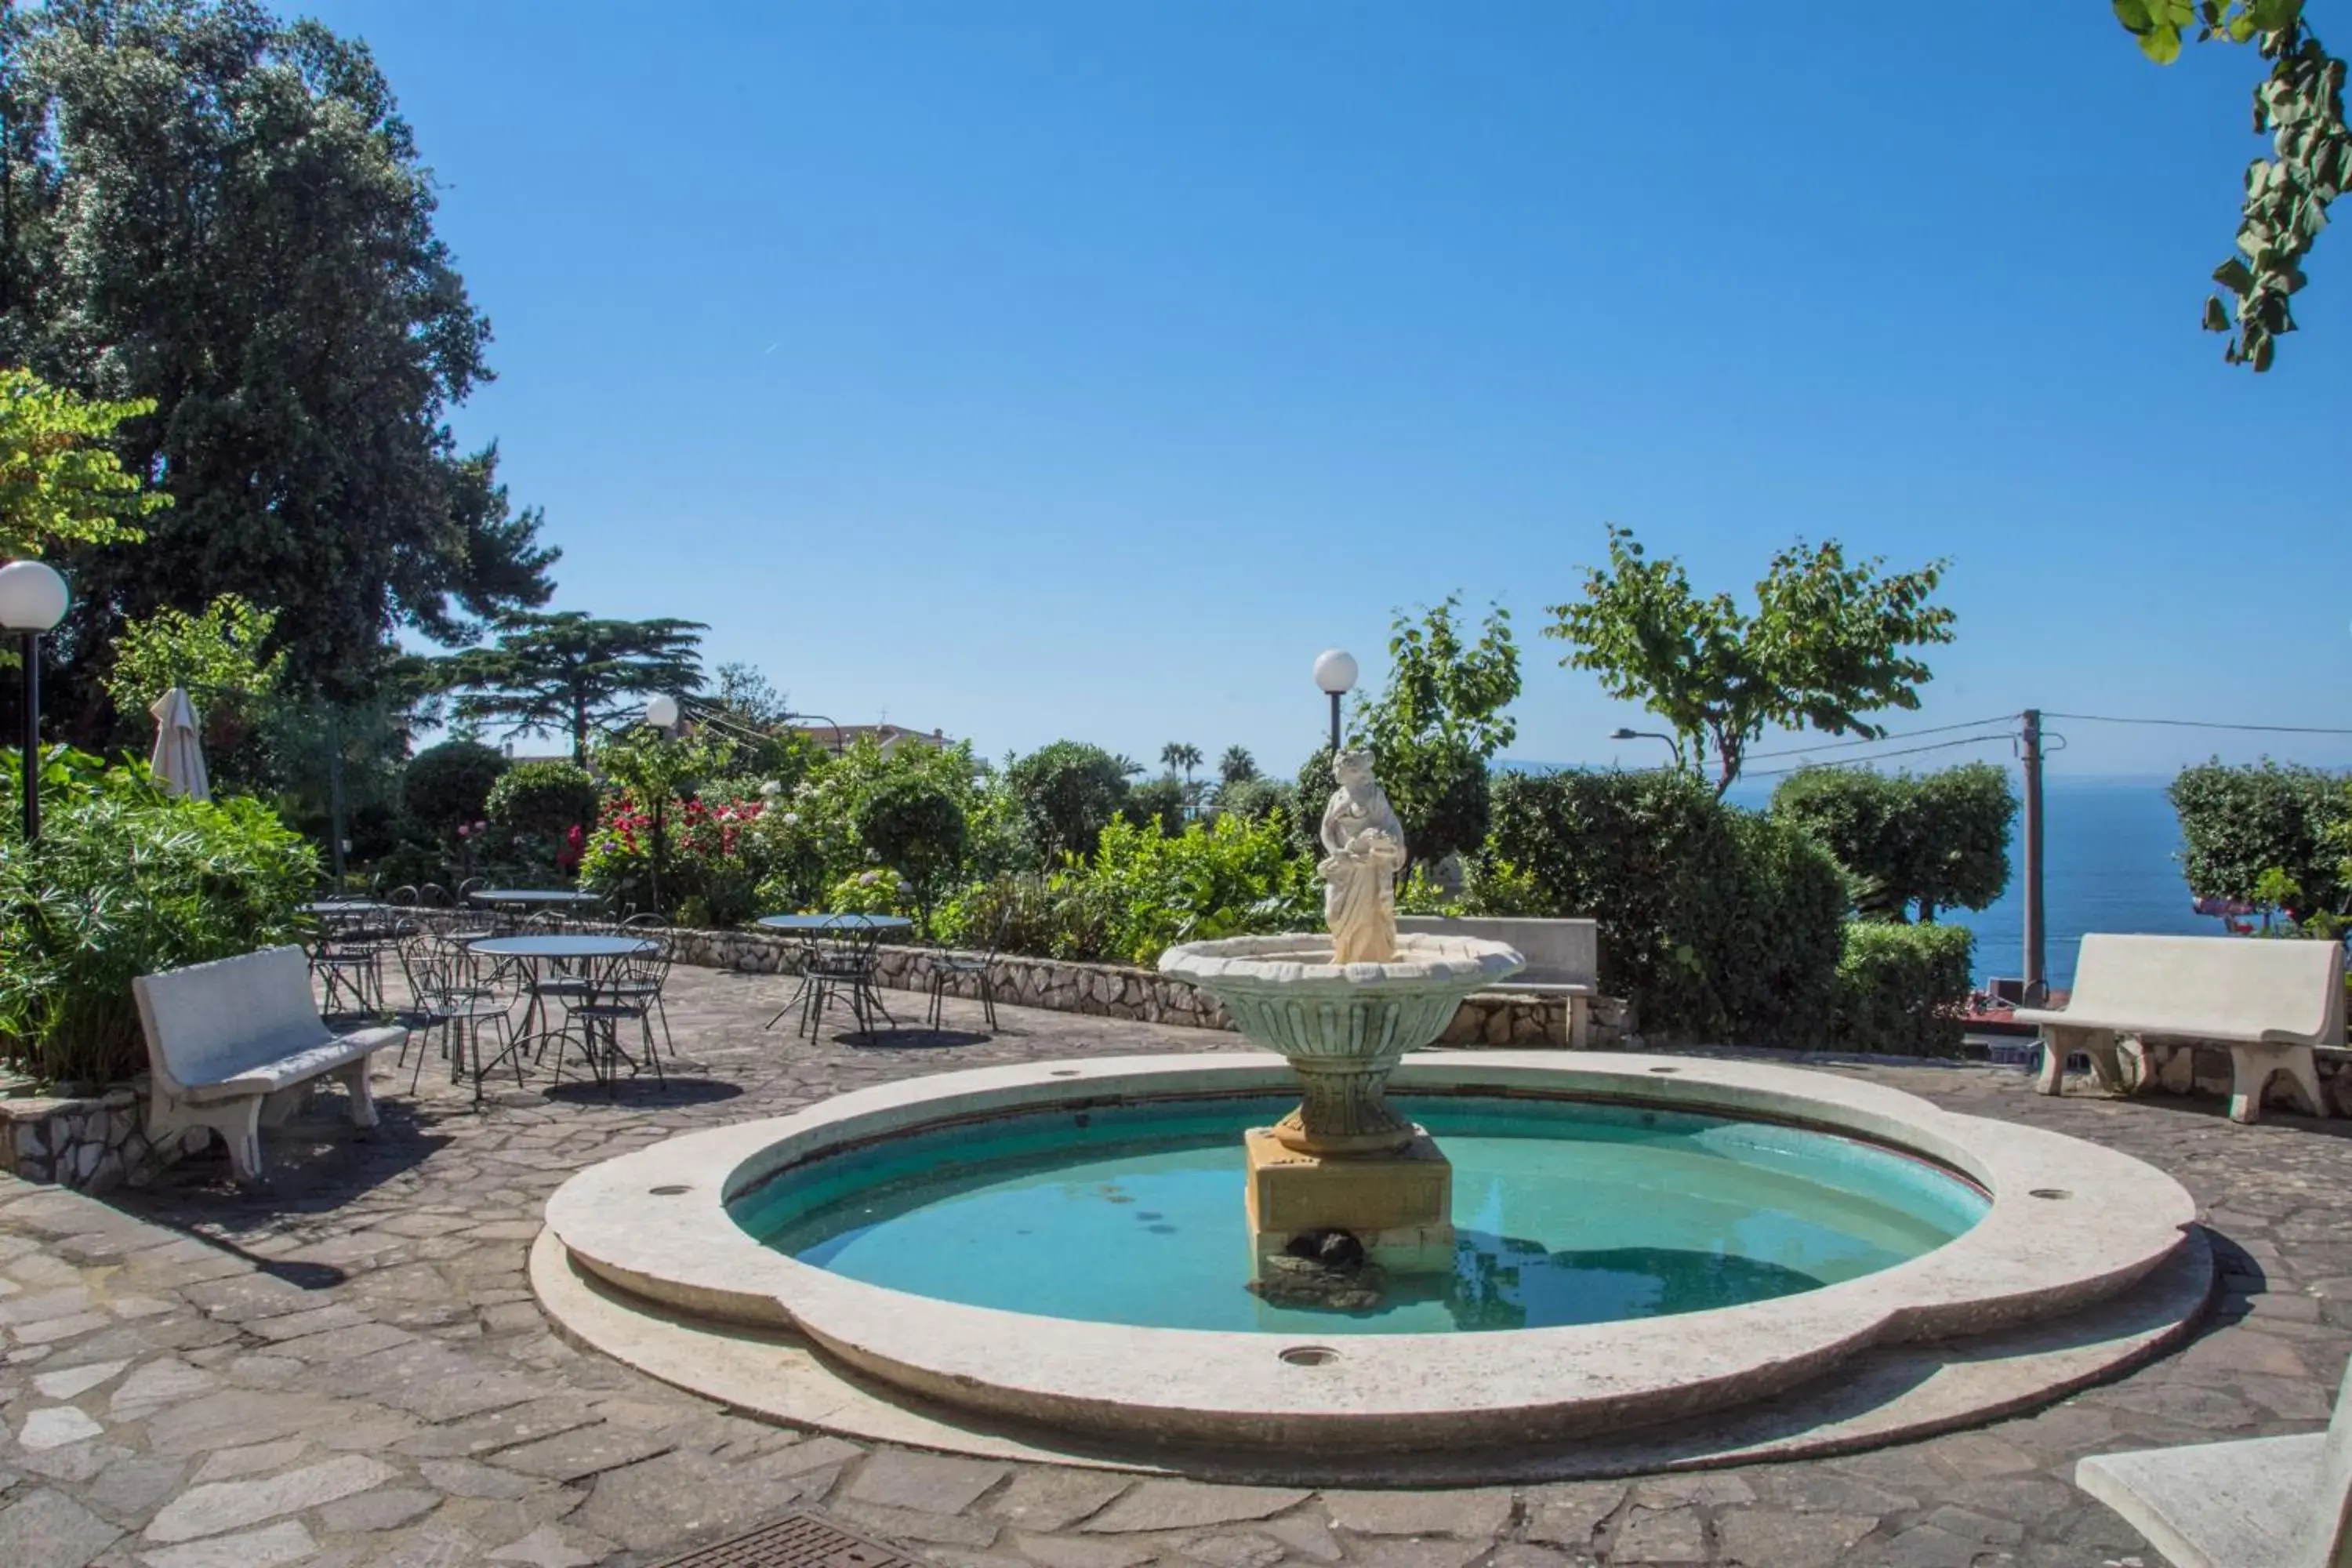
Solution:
(1069, 369)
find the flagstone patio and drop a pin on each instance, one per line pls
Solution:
(349, 1368)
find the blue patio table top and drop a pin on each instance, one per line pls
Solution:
(535, 896)
(836, 922)
(585, 945)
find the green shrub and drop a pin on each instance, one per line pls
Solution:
(918, 829)
(1231, 878)
(1068, 792)
(1252, 799)
(448, 786)
(1058, 916)
(544, 799)
(1718, 924)
(1902, 989)
(1158, 804)
(2238, 823)
(1937, 842)
(127, 881)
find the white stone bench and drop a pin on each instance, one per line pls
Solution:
(2269, 1002)
(1563, 958)
(233, 1045)
(2256, 1503)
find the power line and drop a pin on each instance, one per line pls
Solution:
(1892, 735)
(2201, 724)
(1882, 756)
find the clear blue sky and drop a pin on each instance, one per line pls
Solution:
(1050, 369)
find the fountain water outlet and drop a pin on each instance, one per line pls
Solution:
(1343, 1009)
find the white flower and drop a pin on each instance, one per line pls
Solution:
(905, 886)
(791, 819)
(773, 788)
(869, 879)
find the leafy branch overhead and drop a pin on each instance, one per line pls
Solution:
(1826, 645)
(2301, 105)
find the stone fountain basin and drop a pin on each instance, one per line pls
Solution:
(2071, 1222)
(1286, 993)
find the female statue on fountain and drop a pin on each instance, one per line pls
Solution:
(1365, 849)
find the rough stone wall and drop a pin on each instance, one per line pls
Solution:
(1111, 990)
(95, 1143)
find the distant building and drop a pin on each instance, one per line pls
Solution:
(889, 738)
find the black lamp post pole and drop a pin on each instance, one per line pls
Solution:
(32, 653)
(1335, 723)
(658, 802)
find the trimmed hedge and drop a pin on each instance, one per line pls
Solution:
(1719, 924)
(1901, 988)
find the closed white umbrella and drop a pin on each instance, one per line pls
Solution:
(179, 761)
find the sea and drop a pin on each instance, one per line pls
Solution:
(2112, 852)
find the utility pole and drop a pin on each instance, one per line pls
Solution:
(2037, 987)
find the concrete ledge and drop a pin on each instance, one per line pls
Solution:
(2070, 1224)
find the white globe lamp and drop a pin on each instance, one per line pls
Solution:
(33, 600)
(1335, 672)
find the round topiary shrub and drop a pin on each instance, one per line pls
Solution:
(916, 827)
(449, 785)
(546, 798)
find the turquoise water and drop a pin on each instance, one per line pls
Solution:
(1564, 1213)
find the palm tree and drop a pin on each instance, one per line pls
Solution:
(1183, 754)
(1236, 766)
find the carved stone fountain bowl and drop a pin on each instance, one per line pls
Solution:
(1286, 993)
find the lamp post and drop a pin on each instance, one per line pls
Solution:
(1335, 672)
(32, 600)
(1672, 744)
(661, 713)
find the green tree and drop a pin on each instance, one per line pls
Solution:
(226, 215)
(1924, 844)
(220, 657)
(2237, 824)
(2300, 104)
(1437, 725)
(749, 698)
(1236, 766)
(1068, 792)
(919, 829)
(570, 674)
(1181, 756)
(60, 485)
(448, 786)
(1824, 646)
(546, 799)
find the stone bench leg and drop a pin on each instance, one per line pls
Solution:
(236, 1122)
(355, 1079)
(2251, 1067)
(2058, 1043)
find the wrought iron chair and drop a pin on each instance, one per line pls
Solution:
(630, 991)
(450, 996)
(947, 967)
(840, 958)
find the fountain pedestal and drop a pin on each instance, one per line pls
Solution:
(1398, 1203)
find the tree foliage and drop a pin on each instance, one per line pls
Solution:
(544, 798)
(571, 674)
(449, 785)
(225, 215)
(1236, 766)
(1068, 792)
(2300, 104)
(1825, 646)
(2237, 824)
(219, 657)
(1906, 844)
(1437, 723)
(918, 830)
(60, 484)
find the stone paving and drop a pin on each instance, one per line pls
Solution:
(349, 1368)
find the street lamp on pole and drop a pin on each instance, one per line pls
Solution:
(1335, 672)
(661, 713)
(33, 600)
(1673, 744)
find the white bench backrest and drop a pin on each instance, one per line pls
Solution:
(1561, 951)
(212, 1021)
(2293, 986)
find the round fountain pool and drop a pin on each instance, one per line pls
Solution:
(1657, 1240)
(1564, 1211)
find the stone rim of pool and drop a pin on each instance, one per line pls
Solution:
(2028, 1258)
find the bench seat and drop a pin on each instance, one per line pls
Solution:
(286, 1072)
(232, 1044)
(2271, 1004)
(2256, 1503)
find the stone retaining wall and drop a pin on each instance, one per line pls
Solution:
(1142, 996)
(94, 1142)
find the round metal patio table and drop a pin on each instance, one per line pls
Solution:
(583, 948)
(836, 922)
(545, 897)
